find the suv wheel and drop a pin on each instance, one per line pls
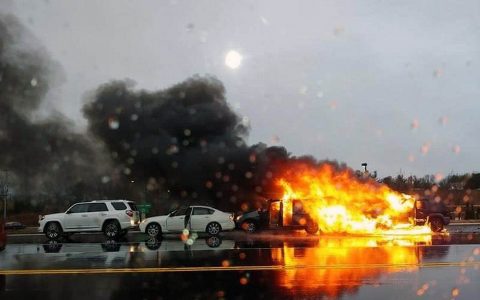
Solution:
(153, 230)
(436, 224)
(111, 229)
(213, 228)
(53, 231)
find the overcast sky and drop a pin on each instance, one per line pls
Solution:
(392, 83)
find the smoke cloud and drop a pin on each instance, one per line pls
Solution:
(180, 145)
(42, 156)
(185, 140)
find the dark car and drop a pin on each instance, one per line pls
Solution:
(14, 225)
(271, 218)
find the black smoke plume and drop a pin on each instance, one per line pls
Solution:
(41, 155)
(175, 146)
(185, 143)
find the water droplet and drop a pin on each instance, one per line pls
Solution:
(415, 124)
(425, 148)
(456, 149)
(303, 90)
(113, 123)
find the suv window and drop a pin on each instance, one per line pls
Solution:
(132, 206)
(94, 207)
(119, 205)
(202, 211)
(79, 208)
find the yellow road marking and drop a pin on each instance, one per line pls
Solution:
(230, 268)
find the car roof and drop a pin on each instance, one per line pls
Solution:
(105, 201)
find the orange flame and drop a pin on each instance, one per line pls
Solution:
(341, 202)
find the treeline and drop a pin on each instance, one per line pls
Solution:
(406, 184)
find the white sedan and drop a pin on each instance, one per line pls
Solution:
(193, 218)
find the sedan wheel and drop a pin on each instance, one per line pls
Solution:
(214, 242)
(153, 230)
(213, 228)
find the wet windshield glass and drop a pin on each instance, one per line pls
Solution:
(240, 149)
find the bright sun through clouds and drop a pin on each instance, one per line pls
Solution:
(233, 59)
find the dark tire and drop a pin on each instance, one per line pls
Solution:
(53, 230)
(249, 226)
(436, 224)
(311, 228)
(111, 229)
(213, 228)
(153, 230)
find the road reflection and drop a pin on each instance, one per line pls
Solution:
(335, 266)
(250, 267)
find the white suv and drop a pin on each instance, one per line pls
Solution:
(113, 217)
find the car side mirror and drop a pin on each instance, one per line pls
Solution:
(68, 212)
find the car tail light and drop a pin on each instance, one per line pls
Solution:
(129, 213)
(232, 217)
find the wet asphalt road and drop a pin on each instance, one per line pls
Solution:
(240, 266)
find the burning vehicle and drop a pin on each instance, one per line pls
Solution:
(272, 217)
(431, 212)
(336, 201)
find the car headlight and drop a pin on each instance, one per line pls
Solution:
(238, 217)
